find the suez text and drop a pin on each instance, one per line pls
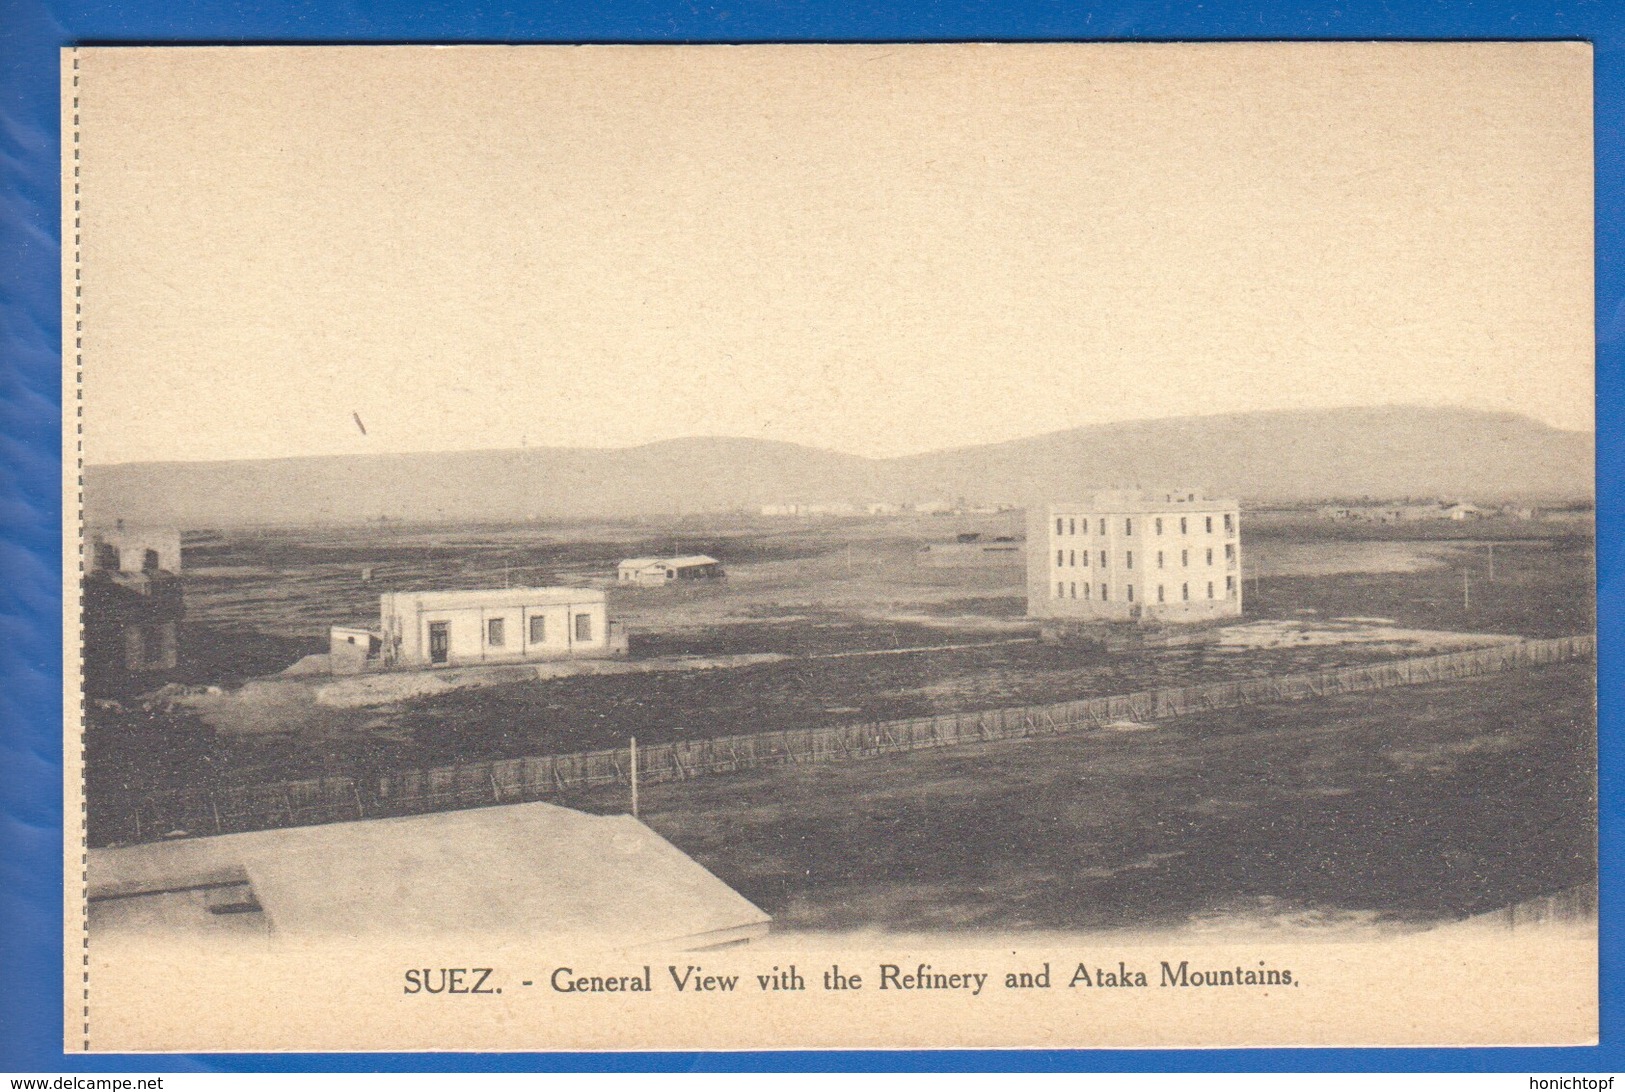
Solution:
(449, 980)
(696, 979)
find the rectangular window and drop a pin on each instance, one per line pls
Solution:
(1072, 526)
(1086, 559)
(583, 627)
(1210, 555)
(495, 632)
(1102, 524)
(1086, 588)
(1159, 525)
(1128, 560)
(1181, 524)
(538, 629)
(1229, 523)
(1074, 590)
(1059, 523)
(1060, 558)
(1230, 551)
(1103, 557)
(1159, 593)
(1060, 589)
(1185, 591)
(1128, 527)
(1103, 593)
(1159, 559)
(1229, 586)
(1210, 525)
(1210, 589)
(1072, 558)
(1130, 591)
(1184, 557)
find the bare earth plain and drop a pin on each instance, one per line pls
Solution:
(1420, 803)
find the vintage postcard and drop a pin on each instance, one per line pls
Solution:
(1053, 545)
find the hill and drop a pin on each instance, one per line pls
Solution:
(1289, 455)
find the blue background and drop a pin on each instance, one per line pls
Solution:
(31, 32)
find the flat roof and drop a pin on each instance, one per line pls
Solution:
(1115, 506)
(675, 562)
(533, 869)
(499, 597)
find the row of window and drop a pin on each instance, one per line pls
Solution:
(1068, 525)
(1063, 587)
(496, 630)
(1069, 558)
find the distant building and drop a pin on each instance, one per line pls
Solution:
(536, 871)
(132, 604)
(650, 572)
(1399, 513)
(496, 625)
(1122, 556)
(830, 508)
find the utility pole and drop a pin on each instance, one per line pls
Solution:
(1466, 590)
(634, 765)
(1492, 563)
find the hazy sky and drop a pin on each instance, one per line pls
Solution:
(880, 250)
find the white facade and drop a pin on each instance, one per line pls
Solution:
(497, 625)
(1167, 556)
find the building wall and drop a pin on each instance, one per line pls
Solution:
(132, 607)
(132, 551)
(1093, 563)
(468, 629)
(350, 648)
(658, 574)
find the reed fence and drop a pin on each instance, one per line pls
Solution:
(501, 781)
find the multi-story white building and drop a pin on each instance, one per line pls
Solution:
(1122, 556)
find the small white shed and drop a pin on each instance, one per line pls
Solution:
(657, 571)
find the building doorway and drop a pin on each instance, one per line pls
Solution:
(439, 642)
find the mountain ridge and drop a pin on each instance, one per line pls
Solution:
(1274, 455)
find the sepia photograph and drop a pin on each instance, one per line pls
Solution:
(734, 547)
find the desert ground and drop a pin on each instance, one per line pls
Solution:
(1357, 813)
(826, 622)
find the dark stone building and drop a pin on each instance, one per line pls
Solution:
(132, 607)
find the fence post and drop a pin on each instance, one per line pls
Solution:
(257, 804)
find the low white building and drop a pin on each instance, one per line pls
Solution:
(495, 625)
(650, 572)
